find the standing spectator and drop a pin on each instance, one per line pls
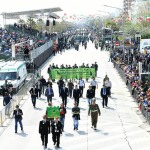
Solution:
(76, 94)
(44, 130)
(64, 94)
(90, 95)
(70, 88)
(60, 85)
(34, 92)
(81, 86)
(43, 81)
(49, 93)
(18, 118)
(39, 88)
(104, 95)
(4, 90)
(94, 109)
(56, 131)
(6, 103)
(62, 115)
(76, 116)
(94, 85)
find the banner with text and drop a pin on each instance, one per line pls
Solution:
(75, 73)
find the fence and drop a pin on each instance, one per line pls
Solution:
(144, 110)
(6, 112)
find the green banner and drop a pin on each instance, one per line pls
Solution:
(53, 112)
(75, 73)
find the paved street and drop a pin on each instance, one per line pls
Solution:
(120, 127)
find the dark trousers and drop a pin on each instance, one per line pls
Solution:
(94, 88)
(39, 93)
(94, 116)
(33, 100)
(49, 98)
(16, 124)
(70, 93)
(56, 138)
(44, 138)
(64, 101)
(109, 91)
(76, 100)
(81, 90)
(105, 100)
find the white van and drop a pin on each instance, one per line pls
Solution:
(14, 72)
(144, 43)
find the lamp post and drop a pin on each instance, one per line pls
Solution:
(122, 27)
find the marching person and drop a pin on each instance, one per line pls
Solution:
(34, 92)
(70, 88)
(108, 86)
(76, 94)
(56, 131)
(18, 118)
(90, 94)
(96, 68)
(60, 84)
(62, 115)
(43, 81)
(94, 85)
(44, 130)
(104, 95)
(64, 94)
(76, 116)
(95, 111)
(49, 93)
(81, 86)
(39, 88)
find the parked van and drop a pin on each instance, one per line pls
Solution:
(14, 72)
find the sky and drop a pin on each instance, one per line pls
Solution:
(70, 7)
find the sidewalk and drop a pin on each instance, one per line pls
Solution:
(120, 127)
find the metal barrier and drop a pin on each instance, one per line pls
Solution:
(6, 112)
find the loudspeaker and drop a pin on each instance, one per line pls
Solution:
(47, 22)
(54, 22)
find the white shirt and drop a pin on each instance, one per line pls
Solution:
(93, 83)
(81, 82)
(108, 84)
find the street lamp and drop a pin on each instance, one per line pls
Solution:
(122, 26)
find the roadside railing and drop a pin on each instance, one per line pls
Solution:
(7, 111)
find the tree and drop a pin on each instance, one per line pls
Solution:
(31, 22)
(21, 21)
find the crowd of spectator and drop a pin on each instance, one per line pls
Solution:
(138, 85)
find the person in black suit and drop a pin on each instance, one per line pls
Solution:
(44, 130)
(104, 95)
(56, 131)
(64, 94)
(34, 94)
(90, 95)
(18, 118)
(76, 94)
(60, 85)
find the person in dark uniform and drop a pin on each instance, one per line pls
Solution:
(34, 93)
(76, 94)
(18, 118)
(96, 68)
(64, 93)
(44, 130)
(56, 131)
(60, 84)
(90, 94)
(94, 109)
(104, 95)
